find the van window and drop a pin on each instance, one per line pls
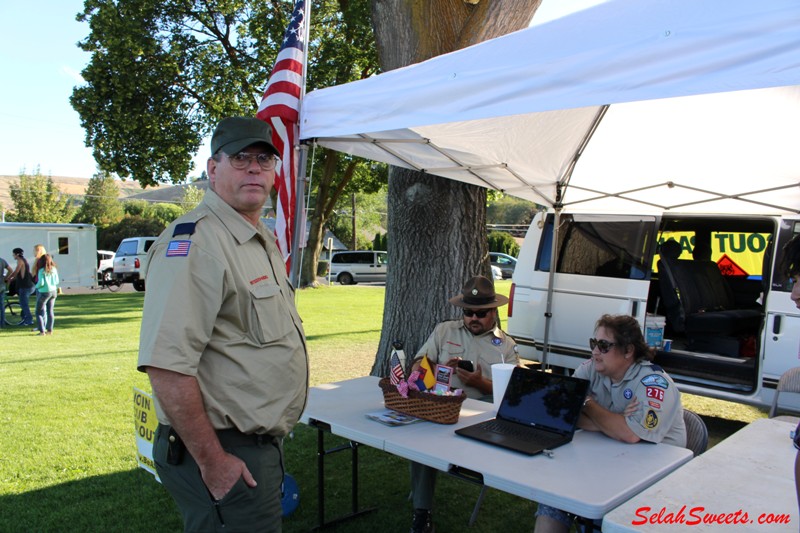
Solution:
(595, 246)
(357, 258)
(382, 258)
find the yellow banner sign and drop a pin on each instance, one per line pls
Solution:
(145, 423)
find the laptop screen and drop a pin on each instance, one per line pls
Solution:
(541, 399)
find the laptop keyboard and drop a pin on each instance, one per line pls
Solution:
(538, 436)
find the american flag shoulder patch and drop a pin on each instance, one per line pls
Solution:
(178, 248)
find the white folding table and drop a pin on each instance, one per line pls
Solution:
(587, 477)
(750, 473)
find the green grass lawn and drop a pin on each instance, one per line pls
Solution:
(68, 449)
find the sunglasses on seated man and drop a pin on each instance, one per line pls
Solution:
(480, 313)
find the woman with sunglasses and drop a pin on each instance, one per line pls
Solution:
(630, 398)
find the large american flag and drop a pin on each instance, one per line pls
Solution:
(280, 107)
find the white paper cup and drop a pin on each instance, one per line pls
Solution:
(501, 373)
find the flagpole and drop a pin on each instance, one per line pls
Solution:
(300, 187)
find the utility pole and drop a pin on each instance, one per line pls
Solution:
(354, 221)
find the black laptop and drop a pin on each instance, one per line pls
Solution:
(539, 412)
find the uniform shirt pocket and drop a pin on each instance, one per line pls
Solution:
(270, 320)
(451, 350)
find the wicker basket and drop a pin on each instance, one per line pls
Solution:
(439, 409)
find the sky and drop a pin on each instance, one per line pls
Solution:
(41, 65)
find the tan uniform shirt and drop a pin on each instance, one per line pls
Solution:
(219, 307)
(452, 339)
(660, 414)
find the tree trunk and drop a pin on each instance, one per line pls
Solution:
(328, 192)
(311, 253)
(437, 227)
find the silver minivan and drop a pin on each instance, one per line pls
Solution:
(358, 265)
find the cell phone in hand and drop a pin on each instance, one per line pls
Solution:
(467, 365)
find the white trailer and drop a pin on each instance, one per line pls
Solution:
(73, 247)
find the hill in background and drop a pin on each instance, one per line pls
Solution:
(77, 187)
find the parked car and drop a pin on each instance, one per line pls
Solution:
(130, 261)
(105, 265)
(504, 262)
(358, 265)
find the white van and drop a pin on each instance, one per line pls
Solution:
(358, 265)
(130, 260)
(732, 326)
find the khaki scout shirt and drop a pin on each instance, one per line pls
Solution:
(219, 307)
(660, 414)
(453, 339)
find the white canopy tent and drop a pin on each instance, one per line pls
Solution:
(614, 86)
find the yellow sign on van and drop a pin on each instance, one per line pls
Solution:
(736, 253)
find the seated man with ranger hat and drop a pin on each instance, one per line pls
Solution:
(477, 338)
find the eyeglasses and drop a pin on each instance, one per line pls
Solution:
(472, 312)
(242, 160)
(602, 345)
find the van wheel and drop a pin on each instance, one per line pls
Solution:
(139, 285)
(345, 279)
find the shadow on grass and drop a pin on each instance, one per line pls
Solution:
(133, 501)
(124, 501)
(27, 361)
(720, 428)
(82, 310)
(345, 334)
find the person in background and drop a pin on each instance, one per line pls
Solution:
(22, 273)
(790, 266)
(630, 399)
(38, 262)
(475, 338)
(5, 273)
(223, 345)
(46, 293)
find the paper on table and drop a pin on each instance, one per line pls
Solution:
(501, 373)
(392, 418)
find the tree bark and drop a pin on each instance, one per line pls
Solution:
(437, 227)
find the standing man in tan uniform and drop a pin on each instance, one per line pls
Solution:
(476, 338)
(223, 345)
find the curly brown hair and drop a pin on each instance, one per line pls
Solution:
(627, 332)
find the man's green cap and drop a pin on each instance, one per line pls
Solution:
(234, 134)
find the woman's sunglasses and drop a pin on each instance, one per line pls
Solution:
(602, 345)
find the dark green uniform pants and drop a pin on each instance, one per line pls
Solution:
(243, 509)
